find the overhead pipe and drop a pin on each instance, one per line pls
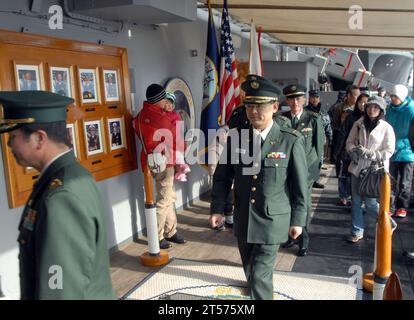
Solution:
(116, 25)
(71, 18)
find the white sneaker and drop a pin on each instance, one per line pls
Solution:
(229, 219)
(354, 238)
(393, 225)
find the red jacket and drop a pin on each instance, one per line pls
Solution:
(152, 118)
(174, 116)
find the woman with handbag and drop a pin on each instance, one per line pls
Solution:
(371, 142)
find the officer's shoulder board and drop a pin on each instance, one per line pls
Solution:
(282, 117)
(291, 131)
(314, 114)
(234, 113)
(55, 183)
(237, 117)
(56, 180)
(238, 109)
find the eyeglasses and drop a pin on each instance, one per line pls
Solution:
(258, 106)
(298, 98)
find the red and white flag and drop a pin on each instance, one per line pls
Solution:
(255, 59)
(229, 83)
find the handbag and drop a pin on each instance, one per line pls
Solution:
(370, 180)
(156, 161)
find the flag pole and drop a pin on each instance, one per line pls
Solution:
(229, 82)
(255, 57)
(259, 35)
(210, 111)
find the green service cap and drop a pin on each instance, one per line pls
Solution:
(294, 90)
(22, 107)
(259, 90)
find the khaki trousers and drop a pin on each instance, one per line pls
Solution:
(166, 216)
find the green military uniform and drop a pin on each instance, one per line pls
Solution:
(62, 240)
(311, 127)
(268, 201)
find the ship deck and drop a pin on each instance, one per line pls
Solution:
(329, 253)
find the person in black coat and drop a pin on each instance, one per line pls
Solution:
(358, 112)
(340, 153)
(315, 105)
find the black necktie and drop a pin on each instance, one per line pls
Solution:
(295, 122)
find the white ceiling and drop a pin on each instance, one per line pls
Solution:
(386, 24)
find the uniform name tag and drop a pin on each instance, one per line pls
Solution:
(30, 219)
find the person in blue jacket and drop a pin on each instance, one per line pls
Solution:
(400, 114)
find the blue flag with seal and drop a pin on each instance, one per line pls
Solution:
(210, 114)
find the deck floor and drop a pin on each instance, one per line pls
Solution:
(329, 253)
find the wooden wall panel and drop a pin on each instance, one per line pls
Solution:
(117, 156)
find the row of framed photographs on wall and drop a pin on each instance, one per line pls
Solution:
(94, 135)
(28, 77)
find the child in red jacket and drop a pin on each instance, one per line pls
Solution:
(181, 168)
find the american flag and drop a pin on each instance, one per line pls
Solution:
(229, 83)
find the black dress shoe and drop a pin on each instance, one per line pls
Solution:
(288, 244)
(176, 238)
(318, 185)
(409, 255)
(164, 244)
(228, 225)
(303, 252)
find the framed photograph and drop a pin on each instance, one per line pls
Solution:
(93, 137)
(70, 134)
(87, 79)
(111, 85)
(27, 77)
(116, 133)
(60, 81)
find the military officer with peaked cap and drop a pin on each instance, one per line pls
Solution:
(266, 163)
(238, 117)
(309, 124)
(62, 241)
(315, 105)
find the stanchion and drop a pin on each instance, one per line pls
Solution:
(376, 281)
(393, 289)
(154, 256)
(368, 280)
(383, 240)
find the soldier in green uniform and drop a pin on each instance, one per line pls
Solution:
(238, 118)
(62, 241)
(309, 124)
(266, 163)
